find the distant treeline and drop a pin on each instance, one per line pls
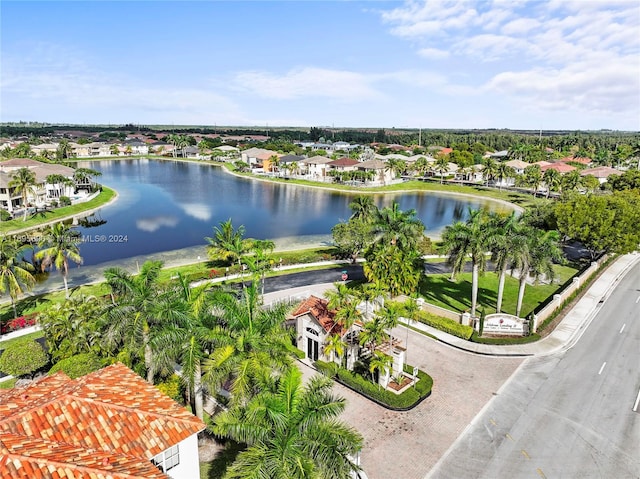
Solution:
(492, 138)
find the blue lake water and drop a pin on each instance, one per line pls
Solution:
(167, 205)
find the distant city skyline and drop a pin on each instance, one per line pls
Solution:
(506, 64)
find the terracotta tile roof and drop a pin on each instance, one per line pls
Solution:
(559, 167)
(343, 162)
(577, 159)
(601, 172)
(111, 414)
(317, 307)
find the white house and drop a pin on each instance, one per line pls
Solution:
(316, 167)
(107, 424)
(382, 174)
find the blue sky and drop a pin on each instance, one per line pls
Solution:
(433, 64)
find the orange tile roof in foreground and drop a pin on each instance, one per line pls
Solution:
(107, 424)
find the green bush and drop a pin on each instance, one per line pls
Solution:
(65, 201)
(408, 399)
(78, 365)
(533, 337)
(446, 325)
(172, 387)
(4, 215)
(23, 358)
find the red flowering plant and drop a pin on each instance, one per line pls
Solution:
(19, 323)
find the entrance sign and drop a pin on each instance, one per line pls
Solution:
(501, 323)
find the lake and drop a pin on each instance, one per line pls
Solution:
(173, 205)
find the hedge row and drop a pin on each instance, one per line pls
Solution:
(446, 325)
(400, 402)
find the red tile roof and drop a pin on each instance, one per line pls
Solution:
(107, 424)
(317, 308)
(577, 159)
(559, 167)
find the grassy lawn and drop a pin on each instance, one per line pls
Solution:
(38, 219)
(35, 335)
(456, 296)
(8, 384)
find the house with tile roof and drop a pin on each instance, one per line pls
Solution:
(382, 175)
(315, 167)
(315, 323)
(560, 167)
(42, 191)
(110, 424)
(602, 173)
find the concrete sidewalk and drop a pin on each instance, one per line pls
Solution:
(565, 334)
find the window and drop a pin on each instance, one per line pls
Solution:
(168, 459)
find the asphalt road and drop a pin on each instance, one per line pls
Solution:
(568, 415)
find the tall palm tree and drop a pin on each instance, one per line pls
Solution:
(189, 341)
(251, 344)
(143, 309)
(23, 181)
(274, 162)
(552, 180)
(536, 259)
(398, 228)
(508, 234)
(114, 150)
(503, 172)
(468, 239)
(83, 175)
(489, 170)
(227, 242)
(363, 207)
(292, 432)
(442, 166)
(393, 269)
(64, 150)
(58, 246)
(533, 177)
(334, 346)
(421, 166)
(15, 273)
(390, 317)
(570, 181)
(259, 259)
(379, 362)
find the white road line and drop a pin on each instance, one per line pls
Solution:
(637, 299)
(602, 367)
(622, 328)
(635, 405)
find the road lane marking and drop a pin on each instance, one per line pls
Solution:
(622, 328)
(635, 405)
(509, 436)
(602, 367)
(637, 299)
(492, 422)
(541, 474)
(524, 453)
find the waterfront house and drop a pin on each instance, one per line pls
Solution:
(107, 424)
(315, 167)
(602, 173)
(380, 170)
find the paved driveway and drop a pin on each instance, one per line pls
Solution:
(406, 445)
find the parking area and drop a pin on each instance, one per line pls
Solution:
(406, 445)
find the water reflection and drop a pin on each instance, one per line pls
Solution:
(166, 205)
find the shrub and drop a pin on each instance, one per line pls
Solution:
(4, 215)
(65, 201)
(23, 358)
(172, 387)
(407, 400)
(446, 325)
(78, 365)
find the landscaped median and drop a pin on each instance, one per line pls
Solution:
(404, 401)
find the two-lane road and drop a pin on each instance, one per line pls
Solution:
(574, 414)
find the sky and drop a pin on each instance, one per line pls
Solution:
(544, 64)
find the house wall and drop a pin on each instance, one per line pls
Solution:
(189, 467)
(302, 323)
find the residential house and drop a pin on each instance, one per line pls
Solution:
(136, 146)
(287, 160)
(342, 164)
(255, 157)
(382, 174)
(39, 150)
(518, 166)
(315, 323)
(579, 160)
(106, 425)
(560, 167)
(315, 167)
(42, 191)
(225, 153)
(90, 149)
(601, 172)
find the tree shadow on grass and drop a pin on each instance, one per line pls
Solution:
(454, 295)
(217, 467)
(24, 306)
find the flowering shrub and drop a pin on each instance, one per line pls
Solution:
(19, 323)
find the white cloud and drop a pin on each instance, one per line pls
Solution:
(308, 82)
(433, 53)
(152, 224)
(199, 211)
(520, 26)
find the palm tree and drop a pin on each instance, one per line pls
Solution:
(251, 344)
(507, 235)
(390, 316)
(373, 333)
(23, 181)
(536, 259)
(142, 311)
(292, 432)
(64, 150)
(59, 245)
(570, 181)
(363, 207)
(533, 177)
(259, 260)
(114, 150)
(397, 271)
(503, 172)
(552, 179)
(227, 242)
(15, 273)
(398, 228)
(489, 170)
(421, 166)
(82, 176)
(471, 238)
(442, 167)
(294, 167)
(189, 341)
(334, 346)
(274, 162)
(379, 362)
